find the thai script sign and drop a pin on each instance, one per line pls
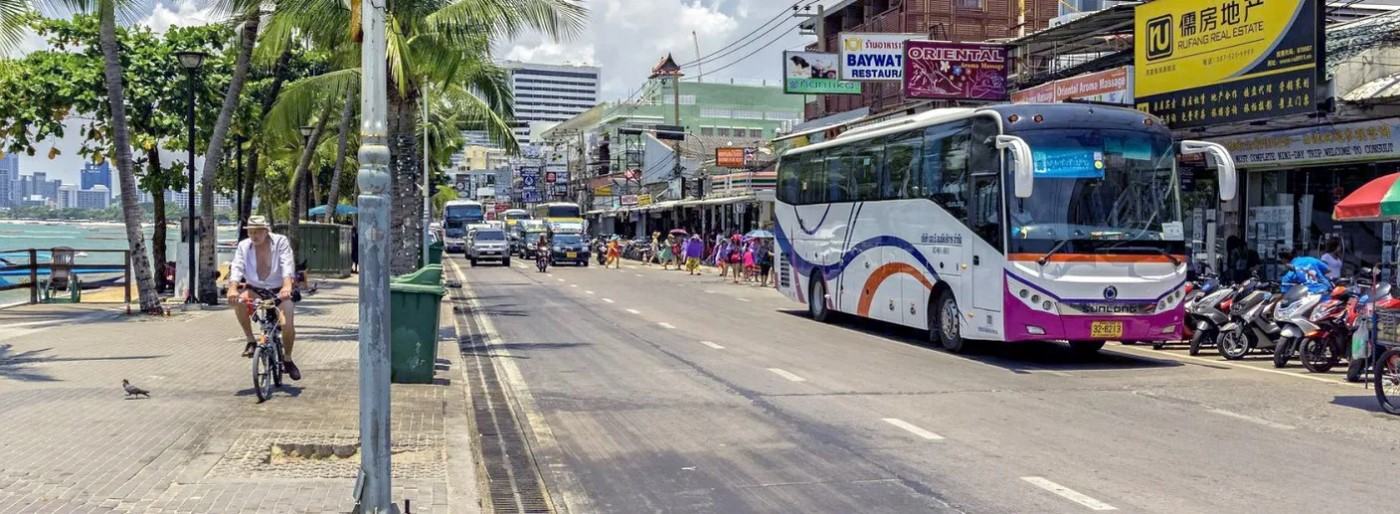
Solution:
(873, 56)
(815, 73)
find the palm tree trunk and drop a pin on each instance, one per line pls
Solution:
(300, 180)
(215, 155)
(250, 178)
(121, 141)
(158, 232)
(406, 224)
(347, 119)
(279, 76)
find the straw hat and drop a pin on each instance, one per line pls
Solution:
(257, 222)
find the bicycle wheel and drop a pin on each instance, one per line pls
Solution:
(262, 373)
(277, 363)
(1387, 380)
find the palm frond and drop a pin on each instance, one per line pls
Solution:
(559, 19)
(299, 101)
(476, 113)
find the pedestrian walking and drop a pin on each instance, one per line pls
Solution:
(736, 257)
(614, 255)
(676, 251)
(765, 262)
(750, 261)
(665, 253)
(721, 258)
(694, 249)
(651, 253)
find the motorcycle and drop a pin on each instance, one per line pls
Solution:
(1324, 347)
(1251, 323)
(542, 260)
(1206, 315)
(1292, 316)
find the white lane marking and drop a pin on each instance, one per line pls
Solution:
(710, 291)
(589, 292)
(667, 325)
(1068, 494)
(609, 300)
(634, 311)
(911, 428)
(1252, 419)
(745, 300)
(573, 285)
(1158, 354)
(639, 275)
(559, 279)
(712, 345)
(787, 374)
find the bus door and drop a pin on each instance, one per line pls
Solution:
(985, 253)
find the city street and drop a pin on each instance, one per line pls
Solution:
(652, 391)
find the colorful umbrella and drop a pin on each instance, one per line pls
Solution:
(1378, 200)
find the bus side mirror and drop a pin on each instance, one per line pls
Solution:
(1224, 165)
(1022, 167)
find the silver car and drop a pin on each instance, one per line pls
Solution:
(488, 244)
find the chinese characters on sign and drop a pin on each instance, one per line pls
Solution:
(954, 71)
(1202, 62)
(1360, 141)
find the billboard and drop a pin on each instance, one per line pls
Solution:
(815, 73)
(1362, 141)
(730, 156)
(873, 56)
(1113, 86)
(954, 71)
(1204, 62)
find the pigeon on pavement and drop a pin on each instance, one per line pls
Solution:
(132, 390)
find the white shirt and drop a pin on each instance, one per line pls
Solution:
(245, 263)
(1334, 266)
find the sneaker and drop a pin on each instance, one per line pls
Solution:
(248, 350)
(292, 370)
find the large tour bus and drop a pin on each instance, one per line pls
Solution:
(456, 215)
(559, 214)
(1002, 223)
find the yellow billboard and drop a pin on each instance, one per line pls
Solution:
(1201, 62)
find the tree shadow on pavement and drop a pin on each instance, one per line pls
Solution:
(1019, 358)
(327, 334)
(18, 365)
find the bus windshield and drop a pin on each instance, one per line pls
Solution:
(1098, 189)
(517, 215)
(562, 211)
(469, 213)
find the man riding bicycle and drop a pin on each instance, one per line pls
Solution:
(265, 265)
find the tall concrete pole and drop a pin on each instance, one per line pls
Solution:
(427, 179)
(375, 494)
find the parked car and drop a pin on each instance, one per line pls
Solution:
(488, 244)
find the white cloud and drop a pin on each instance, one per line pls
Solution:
(185, 13)
(627, 37)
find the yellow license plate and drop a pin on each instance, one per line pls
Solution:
(1106, 329)
(571, 255)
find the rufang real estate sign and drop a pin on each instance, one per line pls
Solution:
(954, 71)
(1203, 62)
(873, 56)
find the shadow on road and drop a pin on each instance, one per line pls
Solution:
(288, 389)
(1366, 402)
(18, 366)
(1018, 358)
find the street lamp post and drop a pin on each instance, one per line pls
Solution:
(191, 61)
(374, 492)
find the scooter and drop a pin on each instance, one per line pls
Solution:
(541, 261)
(1208, 314)
(1251, 324)
(1292, 316)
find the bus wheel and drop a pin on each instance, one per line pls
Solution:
(949, 326)
(816, 299)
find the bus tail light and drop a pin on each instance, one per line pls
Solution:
(1169, 329)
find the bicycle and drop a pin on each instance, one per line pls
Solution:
(267, 356)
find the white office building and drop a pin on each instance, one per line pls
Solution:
(549, 93)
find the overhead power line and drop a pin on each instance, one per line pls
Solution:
(770, 42)
(744, 41)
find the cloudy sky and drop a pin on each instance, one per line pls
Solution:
(624, 37)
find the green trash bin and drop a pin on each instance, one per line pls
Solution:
(414, 303)
(435, 253)
(430, 275)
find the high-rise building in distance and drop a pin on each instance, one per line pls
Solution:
(94, 175)
(549, 93)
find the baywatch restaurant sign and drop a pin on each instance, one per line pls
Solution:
(873, 56)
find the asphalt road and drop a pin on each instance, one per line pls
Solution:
(651, 391)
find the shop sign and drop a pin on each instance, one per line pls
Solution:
(603, 190)
(873, 56)
(730, 156)
(628, 201)
(1375, 140)
(1204, 62)
(815, 73)
(954, 71)
(643, 200)
(1113, 86)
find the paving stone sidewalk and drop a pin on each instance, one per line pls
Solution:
(202, 443)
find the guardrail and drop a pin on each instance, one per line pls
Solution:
(33, 268)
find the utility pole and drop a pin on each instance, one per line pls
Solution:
(427, 179)
(373, 491)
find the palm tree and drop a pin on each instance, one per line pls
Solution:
(347, 118)
(251, 18)
(442, 43)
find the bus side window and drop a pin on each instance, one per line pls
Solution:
(864, 161)
(945, 167)
(812, 175)
(789, 185)
(985, 218)
(838, 174)
(901, 166)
